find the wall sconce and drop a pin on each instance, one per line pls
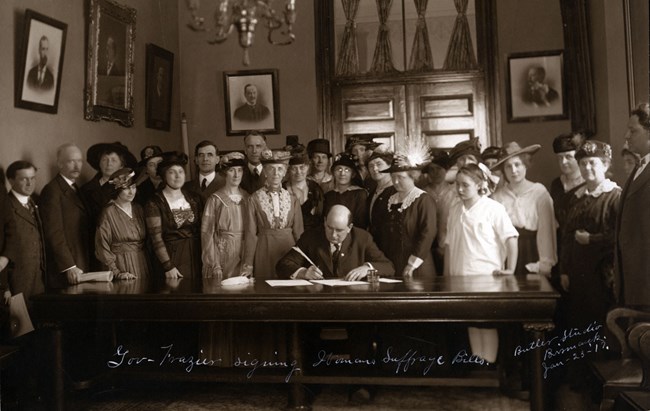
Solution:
(244, 15)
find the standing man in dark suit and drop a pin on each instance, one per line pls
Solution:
(633, 224)
(8, 247)
(28, 272)
(253, 178)
(40, 76)
(66, 221)
(337, 249)
(206, 158)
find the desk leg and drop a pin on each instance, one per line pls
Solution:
(298, 399)
(55, 338)
(538, 400)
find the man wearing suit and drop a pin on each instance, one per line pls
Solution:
(8, 247)
(337, 249)
(252, 110)
(28, 272)
(66, 221)
(633, 223)
(253, 178)
(111, 67)
(206, 158)
(40, 77)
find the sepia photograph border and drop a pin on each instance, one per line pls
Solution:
(553, 62)
(230, 78)
(154, 52)
(95, 109)
(21, 100)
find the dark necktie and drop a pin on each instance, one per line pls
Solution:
(75, 187)
(204, 184)
(335, 259)
(30, 206)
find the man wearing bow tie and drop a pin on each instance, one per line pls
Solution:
(28, 272)
(337, 250)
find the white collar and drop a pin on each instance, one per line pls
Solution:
(210, 177)
(67, 180)
(605, 186)
(258, 167)
(21, 197)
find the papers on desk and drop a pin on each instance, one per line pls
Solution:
(336, 282)
(287, 283)
(19, 320)
(96, 276)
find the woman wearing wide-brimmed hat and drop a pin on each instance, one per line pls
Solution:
(106, 158)
(173, 217)
(121, 230)
(345, 192)
(530, 208)
(274, 219)
(408, 233)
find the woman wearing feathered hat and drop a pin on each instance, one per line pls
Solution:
(587, 259)
(274, 219)
(121, 230)
(345, 192)
(408, 234)
(106, 158)
(174, 221)
(530, 208)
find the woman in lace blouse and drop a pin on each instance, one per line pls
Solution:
(274, 219)
(530, 208)
(224, 222)
(173, 217)
(410, 229)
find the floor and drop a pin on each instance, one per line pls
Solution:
(194, 396)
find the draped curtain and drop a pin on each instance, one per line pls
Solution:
(460, 54)
(577, 60)
(382, 60)
(348, 60)
(421, 57)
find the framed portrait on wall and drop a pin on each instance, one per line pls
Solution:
(109, 67)
(38, 79)
(536, 90)
(252, 101)
(158, 95)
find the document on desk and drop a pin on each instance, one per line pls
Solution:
(389, 280)
(287, 283)
(337, 282)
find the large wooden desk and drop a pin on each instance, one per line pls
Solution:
(478, 299)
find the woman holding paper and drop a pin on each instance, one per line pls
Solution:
(223, 225)
(121, 231)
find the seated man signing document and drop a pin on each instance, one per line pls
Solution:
(336, 250)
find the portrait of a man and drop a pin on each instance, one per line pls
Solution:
(252, 110)
(112, 66)
(537, 91)
(40, 76)
(160, 68)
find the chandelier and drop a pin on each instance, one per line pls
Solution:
(244, 15)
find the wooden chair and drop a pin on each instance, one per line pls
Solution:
(631, 372)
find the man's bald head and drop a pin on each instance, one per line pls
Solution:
(338, 224)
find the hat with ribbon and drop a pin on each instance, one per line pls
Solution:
(96, 151)
(232, 159)
(275, 157)
(319, 145)
(122, 178)
(594, 148)
(567, 142)
(467, 147)
(513, 149)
